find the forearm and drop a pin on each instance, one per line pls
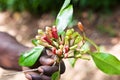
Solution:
(10, 51)
(9, 58)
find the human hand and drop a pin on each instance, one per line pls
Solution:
(10, 50)
(45, 67)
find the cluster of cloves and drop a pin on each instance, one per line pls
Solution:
(60, 45)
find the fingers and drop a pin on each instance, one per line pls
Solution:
(45, 60)
(37, 77)
(48, 70)
(62, 67)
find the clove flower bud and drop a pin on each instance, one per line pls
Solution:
(54, 32)
(80, 26)
(69, 32)
(59, 52)
(78, 39)
(53, 50)
(49, 31)
(45, 38)
(66, 49)
(40, 32)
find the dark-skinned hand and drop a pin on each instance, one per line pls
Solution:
(10, 51)
(45, 67)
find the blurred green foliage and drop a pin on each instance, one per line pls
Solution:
(37, 6)
(34, 6)
(108, 30)
(96, 4)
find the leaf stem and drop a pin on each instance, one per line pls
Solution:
(30, 70)
(90, 41)
(85, 58)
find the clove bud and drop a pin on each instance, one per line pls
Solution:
(69, 32)
(53, 50)
(80, 26)
(59, 52)
(78, 39)
(74, 35)
(49, 31)
(73, 47)
(66, 40)
(40, 32)
(54, 32)
(43, 44)
(45, 38)
(37, 37)
(66, 49)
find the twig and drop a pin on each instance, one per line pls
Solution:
(78, 57)
(25, 71)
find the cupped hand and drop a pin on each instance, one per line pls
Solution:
(45, 66)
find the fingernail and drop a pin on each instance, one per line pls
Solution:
(40, 70)
(28, 76)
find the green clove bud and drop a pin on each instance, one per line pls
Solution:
(55, 43)
(78, 55)
(61, 47)
(74, 35)
(66, 40)
(43, 43)
(78, 39)
(73, 47)
(40, 32)
(38, 37)
(69, 32)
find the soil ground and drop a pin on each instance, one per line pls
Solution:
(104, 29)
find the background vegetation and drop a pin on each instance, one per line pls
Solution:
(39, 6)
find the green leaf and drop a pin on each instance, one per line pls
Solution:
(29, 58)
(56, 75)
(34, 41)
(66, 3)
(72, 61)
(64, 17)
(107, 63)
